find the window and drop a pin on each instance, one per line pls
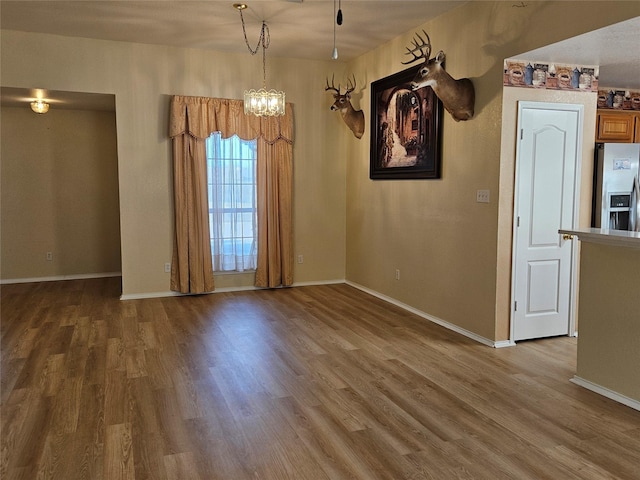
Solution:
(231, 175)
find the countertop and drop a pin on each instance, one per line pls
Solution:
(620, 238)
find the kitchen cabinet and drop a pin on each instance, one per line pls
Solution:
(618, 126)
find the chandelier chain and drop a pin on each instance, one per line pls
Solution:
(264, 68)
(261, 102)
(264, 40)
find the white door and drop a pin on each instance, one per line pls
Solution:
(547, 166)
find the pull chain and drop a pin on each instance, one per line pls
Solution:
(334, 53)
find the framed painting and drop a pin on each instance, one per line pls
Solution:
(405, 129)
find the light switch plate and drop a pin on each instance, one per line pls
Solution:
(482, 196)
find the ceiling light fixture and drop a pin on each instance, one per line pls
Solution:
(40, 106)
(261, 102)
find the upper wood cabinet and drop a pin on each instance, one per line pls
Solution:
(618, 126)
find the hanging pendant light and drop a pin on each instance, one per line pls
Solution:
(334, 54)
(261, 102)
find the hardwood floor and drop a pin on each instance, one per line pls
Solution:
(321, 382)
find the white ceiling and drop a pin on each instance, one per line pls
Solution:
(615, 48)
(298, 28)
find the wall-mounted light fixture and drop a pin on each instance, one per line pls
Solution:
(40, 106)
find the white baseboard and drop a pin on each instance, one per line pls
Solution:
(431, 318)
(450, 326)
(325, 282)
(140, 296)
(594, 387)
(57, 278)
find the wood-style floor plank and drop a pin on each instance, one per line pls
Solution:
(306, 383)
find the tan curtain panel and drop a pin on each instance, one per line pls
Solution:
(192, 120)
(191, 268)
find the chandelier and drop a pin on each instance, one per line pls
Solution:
(261, 102)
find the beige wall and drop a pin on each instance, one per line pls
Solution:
(59, 193)
(444, 243)
(608, 353)
(143, 78)
(449, 249)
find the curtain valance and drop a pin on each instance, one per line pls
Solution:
(199, 117)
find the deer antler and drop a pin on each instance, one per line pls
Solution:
(424, 47)
(351, 86)
(337, 90)
(342, 103)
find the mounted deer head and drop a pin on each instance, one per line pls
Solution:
(457, 96)
(353, 118)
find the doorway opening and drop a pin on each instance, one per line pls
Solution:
(60, 189)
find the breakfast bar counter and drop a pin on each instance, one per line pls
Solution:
(609, 314)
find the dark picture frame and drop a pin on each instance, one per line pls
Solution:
(405, 129)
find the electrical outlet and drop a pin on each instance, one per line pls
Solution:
(49, 256)
(167, 268)
(300, 259)
(397, 274)
(482, 196)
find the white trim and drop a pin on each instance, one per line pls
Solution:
(443, 323)
(140, 296)
(594, 387)
(57, 278)
(431, 318)
(326, 282)
(236, 289)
